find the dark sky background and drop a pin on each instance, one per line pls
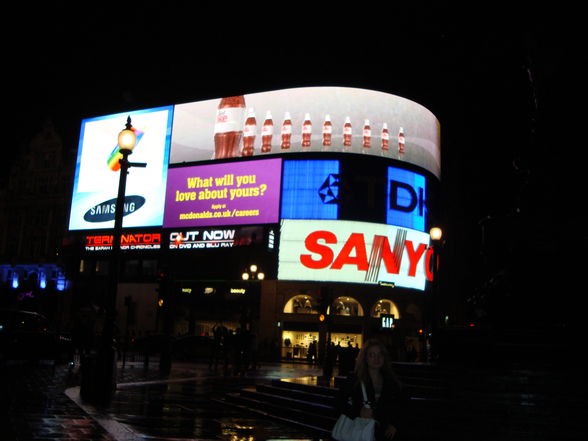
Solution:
(500, 82)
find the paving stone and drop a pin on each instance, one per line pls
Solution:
(35, 408)
(35, 405)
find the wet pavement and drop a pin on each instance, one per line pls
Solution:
(40, 401)
(186, 406)
(34, 407)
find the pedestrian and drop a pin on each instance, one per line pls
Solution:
(347, 358)
(330, 358)
(411, 353)
(312, 352)
(238, 347)
(253, 350)
(218, 345)
(386, 399)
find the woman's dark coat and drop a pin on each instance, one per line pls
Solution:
(388, 409)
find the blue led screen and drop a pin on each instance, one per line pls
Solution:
(310, 189)
(406, 206)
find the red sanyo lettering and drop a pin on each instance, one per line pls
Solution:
(354, 252)
(428, 264)
(355, 243)
(391, 260)
(326, 254)
(414, 255)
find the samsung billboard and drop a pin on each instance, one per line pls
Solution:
(97, 172)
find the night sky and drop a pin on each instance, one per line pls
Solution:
(500, 83)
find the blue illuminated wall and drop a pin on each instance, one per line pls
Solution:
(310, 189)
(46, 276)
(406, 206)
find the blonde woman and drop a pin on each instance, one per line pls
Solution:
(386, 399)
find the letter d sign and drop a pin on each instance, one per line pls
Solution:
(406, 199)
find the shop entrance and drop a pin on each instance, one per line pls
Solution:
(344, 340)
(303, 341)
(300, 346)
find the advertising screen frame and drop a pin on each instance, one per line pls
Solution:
(224, 194)
(308, 119)
(96, 182)
(193, 127)
(354, 252)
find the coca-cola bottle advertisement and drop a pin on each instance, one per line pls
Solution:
(308, 119)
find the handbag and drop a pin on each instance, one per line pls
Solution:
(354, 429)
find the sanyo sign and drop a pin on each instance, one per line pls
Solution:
(360, 252)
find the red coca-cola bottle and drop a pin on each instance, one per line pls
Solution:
(228, 127)
(385, 137)
(286, 131)
(347, 132)
(267, 132)
(249, 134)
(401, 141)
(306, 131)
(327, 131)
(367, 134)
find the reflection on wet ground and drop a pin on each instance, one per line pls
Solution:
(312, 381)
(187, 409)
(479, 404)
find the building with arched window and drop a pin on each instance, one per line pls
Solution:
(290, 313)
(330, 196)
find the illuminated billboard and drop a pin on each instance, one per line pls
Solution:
(211, 238)
(233, 193)
(128, 241)
(358, 252)
(97, 175)
(406, 204)
(307, 119)
(195, 178)
(310, 189)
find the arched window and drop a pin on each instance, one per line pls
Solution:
(301, 304)
(347, 306)
(384, 306)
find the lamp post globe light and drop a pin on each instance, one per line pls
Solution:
(105, 367)
(127, 138)
(436, 233)
(252, 273)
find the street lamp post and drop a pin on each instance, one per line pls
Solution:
(252, 274)
(436, 235)
(105, 372)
